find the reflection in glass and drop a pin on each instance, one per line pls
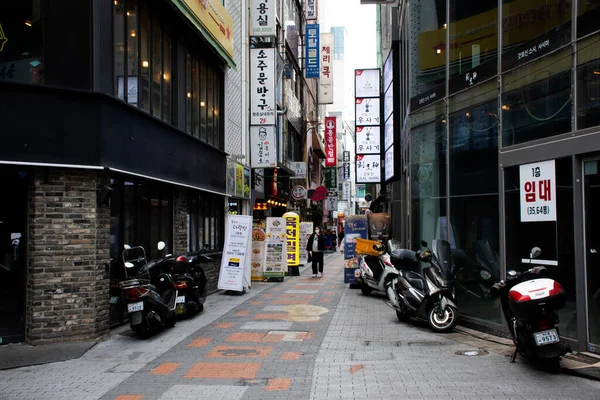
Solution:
(203, 100)
(188, 93)
(195, 99)
(588, 17)
(474, 209)
(132, 53)
(592, 221)
(210, 106)
(156, 66)
(144, 90)
(588, 82)
(119, 50)
(428, 21)
(167, 78)
(473, 35)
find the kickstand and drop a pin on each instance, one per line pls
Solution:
(514, 356)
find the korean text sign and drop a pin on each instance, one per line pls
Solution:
(264, 149)
(293, 237)
(312, 51)
(235, 252)
(326, 78)
(311, 9)
(262, 15)
(330, 142)
(538, 191)
(367, 111)
(368, 140)
(368, 168)
(276, 247)
(262, 86)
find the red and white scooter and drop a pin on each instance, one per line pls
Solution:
(529, 303)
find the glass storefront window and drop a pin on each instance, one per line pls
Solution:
(588, 82)
(588, 17)
(21, 41)
(427, 20)
(474, 209)
(555, 238)
(206, 221)
(428, 181)
(537, 100)
(474, 39)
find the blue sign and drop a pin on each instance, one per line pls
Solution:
(312, 51)
(355, 226)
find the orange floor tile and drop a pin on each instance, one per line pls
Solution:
(223, 370)
(253, 337)
(279, 384)
(165, 369)
(242, 313)
(130, 397)
(290, 355)
(224, 325)
(200, 342)
(270, 316)
(239, 352)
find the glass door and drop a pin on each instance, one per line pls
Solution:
(592, 250)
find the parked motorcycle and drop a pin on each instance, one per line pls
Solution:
(529, 303)
(376, 272)
(149, 306)
(429, 296)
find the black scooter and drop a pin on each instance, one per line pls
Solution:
(429, 296)
(149, 306)
(529, 303)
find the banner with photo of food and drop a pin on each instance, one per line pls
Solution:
(259, 255)
(355, 226)
(276, 248)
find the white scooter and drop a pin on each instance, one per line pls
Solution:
(377, 272)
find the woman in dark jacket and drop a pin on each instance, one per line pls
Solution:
(315, 248)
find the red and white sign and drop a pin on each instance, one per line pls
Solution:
(538, 191)
(330, 142)
(298, 192)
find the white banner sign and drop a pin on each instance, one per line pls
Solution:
(258, 256)
(388, 102)
(367, 112)
(368, 168)
(368, 140)
(331, 203)
(538, 191)
(311, 9)
(326, 80)
(366, 83)
(346, 191)
(388, 133)
(306, 229)
(235, 252)
(276, 247)
(389, 163)
(262, 87)
(263, 146)
(262, 18)
(299, 168)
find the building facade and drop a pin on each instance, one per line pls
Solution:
(488, 92)
(113, 124)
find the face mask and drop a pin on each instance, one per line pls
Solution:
(317, 231)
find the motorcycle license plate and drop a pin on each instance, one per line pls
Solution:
(180, 299)
(546, 337)
(133, 307)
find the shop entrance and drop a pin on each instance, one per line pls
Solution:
(13, 263)
(592, 250)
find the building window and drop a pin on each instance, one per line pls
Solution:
(588, 82)
(143, 54)
(588, 17)
(207, 221)
(204, 97)
(21, 41)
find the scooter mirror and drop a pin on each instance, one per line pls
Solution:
(485, 275)
(423, 243)
(129, 265)
(535, 252)
(127, 247)
(511, 273)
(161, 245)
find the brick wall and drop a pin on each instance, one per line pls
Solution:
(67, 285)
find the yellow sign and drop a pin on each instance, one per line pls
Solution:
(215, 18)
(3, 39)
(292, 227)
(522, 21)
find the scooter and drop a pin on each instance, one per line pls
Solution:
(529, 303)
(149, 306)
(429, 296)
(477, 282)
(376, 272)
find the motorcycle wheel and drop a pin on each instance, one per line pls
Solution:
(170, 322)
(365, 289)
(200, 308)
(445, 323)
(402, 317)
(553, 365)
(143, 330)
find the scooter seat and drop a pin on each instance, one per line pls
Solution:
(414, 279)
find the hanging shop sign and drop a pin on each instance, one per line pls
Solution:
(346, 191)
(326, 78)
(389, 163)
(312, 51)
(259, 254)
(331, 204)
(298, 192)
(239, 180)
(236, 251)
(299, 168)
(538, 191)
(292, 226)
(331, 178)
(262, 18)
(330, 142)
(306, 229)
(311, 9)
(319, 194)
(355, 226)
(346, 171)
(263, 145)
(360, 191)
(276, 247)
(262, 86)
(366, 83)
(368, 168)
(367, 111)
(388, 133)
(274, 187)
(346, 156)
(368, 140)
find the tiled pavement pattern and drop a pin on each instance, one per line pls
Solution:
(303, 338)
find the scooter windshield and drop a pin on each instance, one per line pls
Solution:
(443, 253)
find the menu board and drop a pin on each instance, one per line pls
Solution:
(235, 252)
(306, 229)
(259, 254)
(292, 224)
(275, 247)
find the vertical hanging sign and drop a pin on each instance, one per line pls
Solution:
(262, 87)
(262, 17)
(330, 142)
(312, 51)
(326, 79)
(311, 9)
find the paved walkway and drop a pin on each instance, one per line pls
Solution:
(304, 338)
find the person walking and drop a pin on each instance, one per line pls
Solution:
(315, 248)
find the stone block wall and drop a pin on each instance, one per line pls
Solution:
(69, 236)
